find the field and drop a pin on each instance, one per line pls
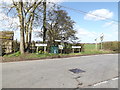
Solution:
(90, 47)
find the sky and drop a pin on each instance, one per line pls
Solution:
(88, 26)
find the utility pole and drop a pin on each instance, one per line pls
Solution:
(44, 21)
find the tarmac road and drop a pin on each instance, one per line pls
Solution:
(100, 71)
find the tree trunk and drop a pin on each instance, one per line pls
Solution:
(30, 32)
(44, 21)
(21, 18)
(26, 42)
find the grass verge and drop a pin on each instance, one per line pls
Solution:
(33, 56)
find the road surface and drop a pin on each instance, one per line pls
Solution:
(100, 71)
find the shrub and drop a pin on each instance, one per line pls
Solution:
(114, 46)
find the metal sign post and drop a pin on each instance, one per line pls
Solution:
(60, 47)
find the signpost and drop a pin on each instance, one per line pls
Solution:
(62, 44)
(41, 45)
(96, 43)
(76, 46)
(73, 47)
(60, 47)
(101, 38)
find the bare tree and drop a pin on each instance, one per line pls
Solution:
(26, 13)
(44, 21)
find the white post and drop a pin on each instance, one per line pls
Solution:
(37, 49)
(96, 45)
(44, 48)
(101, 45)
(101, 37)
(73, 50)
(79, 50)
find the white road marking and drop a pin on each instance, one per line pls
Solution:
(103, 82)
(114, 78)
(100, 83)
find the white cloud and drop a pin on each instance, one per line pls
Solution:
(6, 1)
(111, 27)
(108, 24)
(83, 32)
(100, 14)
(87, 36)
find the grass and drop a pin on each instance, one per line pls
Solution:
(89, 47)
(16, 54)
(89, 50)
(33, 56)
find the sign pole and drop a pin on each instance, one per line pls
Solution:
(101, 45)
(61, 51)
(37, 49)
(78, 47)
(44, 48)
(96, 45)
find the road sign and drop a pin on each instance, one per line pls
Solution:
(60, 46)
(76, 46)
(44, 45)
(58, 40)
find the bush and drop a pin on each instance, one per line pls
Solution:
(114, 46)
(68, 48)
